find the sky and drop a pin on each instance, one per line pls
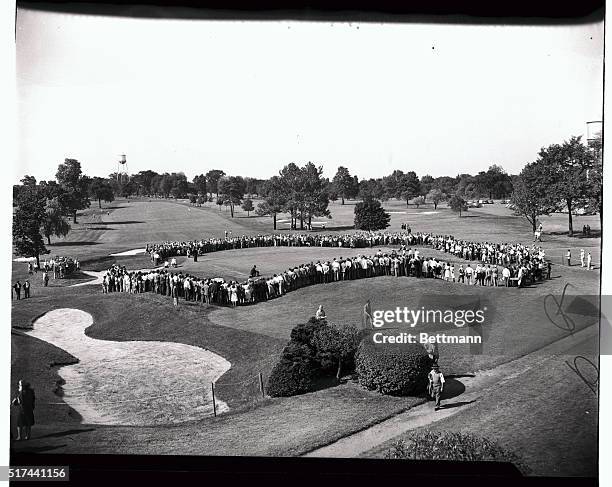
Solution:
(250, 97)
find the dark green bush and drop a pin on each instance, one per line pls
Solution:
(393, 369)
(294, 373)
(305, 332)
(433, 445)
(316, 350)
(290, 378)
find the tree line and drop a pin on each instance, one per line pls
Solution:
(565, 177)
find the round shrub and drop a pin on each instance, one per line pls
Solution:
(294, 373)
(393, 369)
(305, 332)
(459, 447)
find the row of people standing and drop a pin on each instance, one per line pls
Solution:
(402, 262)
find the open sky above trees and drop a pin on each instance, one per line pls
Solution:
(249, 97)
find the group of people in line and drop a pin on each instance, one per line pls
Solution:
(586, 259)
(61, 267)
(498, 265)
(166, 250)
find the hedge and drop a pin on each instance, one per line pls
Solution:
(461, 447)
(392, 369)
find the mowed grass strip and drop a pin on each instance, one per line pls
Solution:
(548, 415)
(279, 427)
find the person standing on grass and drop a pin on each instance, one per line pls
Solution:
(175, 294)
(25, 402)
(581, 257)
(436, 384)
(589, 261)
(30, 268)
(568, 256)
(320, 314)
(506, 276)
(17, 288)
(26, 289)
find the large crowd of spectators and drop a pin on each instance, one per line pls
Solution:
(489, 264)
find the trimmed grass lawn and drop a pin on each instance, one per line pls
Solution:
(556, 437)
(252, 337)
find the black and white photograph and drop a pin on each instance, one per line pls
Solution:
(308, 237)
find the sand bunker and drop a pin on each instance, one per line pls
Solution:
(131, 383)
(129, 252)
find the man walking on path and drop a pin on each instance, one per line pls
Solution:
(569, 257)
(436, 384)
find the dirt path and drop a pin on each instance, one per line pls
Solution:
(476, 387)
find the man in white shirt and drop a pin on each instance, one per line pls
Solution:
(506, 276)
(436, 384)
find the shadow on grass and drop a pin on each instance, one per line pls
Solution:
(127, 222)
(456, 404)
(74, 244)
(67, 433)
(577, 234)
(452, 388)
(336, 228)
(37, 449)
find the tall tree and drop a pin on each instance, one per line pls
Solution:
(247, 205)
(435, 196)
(232, 188)
(291, 177)
(54, 222)
(315, 200)
(28, 219)
(567, 166)
(275, 197)
(427, 183)
(457, 204)
(101, 189)
(212, 177)
(494, 181)
(180, 185)
(200, 184)
(370, 215)
(144, 181)
(411, 186)
(344, 183)
(75, 187)
(530, 195)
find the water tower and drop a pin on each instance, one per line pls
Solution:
(594, 131)
(122, 168)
